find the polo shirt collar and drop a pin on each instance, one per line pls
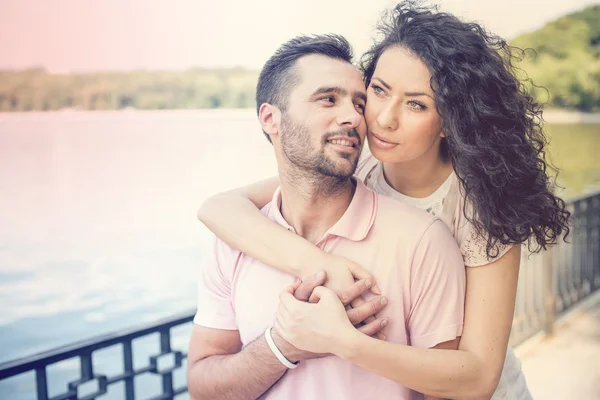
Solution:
(354, 224)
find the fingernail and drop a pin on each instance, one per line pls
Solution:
(383, 301)
(382, 337)
(384, 322)
(368, 283)
(376, 289)
(320, 274)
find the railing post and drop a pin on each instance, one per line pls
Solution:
(41, 381)
(549, 297)
(129, 371)
(165, 347)
(86, 366)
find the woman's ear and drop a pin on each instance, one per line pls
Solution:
(270, 119)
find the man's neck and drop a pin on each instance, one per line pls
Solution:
(313, 203)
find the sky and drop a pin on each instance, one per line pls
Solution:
(90, 35)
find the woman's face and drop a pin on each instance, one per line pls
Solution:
(403, 123)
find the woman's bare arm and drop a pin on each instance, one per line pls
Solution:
(471, 372)
(235, 218)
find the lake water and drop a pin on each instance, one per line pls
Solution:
(97, 217)
(98, 230)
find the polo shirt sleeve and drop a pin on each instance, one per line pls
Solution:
(215, 307)
(437, 289)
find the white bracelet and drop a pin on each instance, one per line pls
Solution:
(277, 352)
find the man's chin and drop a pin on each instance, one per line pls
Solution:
(339, 171)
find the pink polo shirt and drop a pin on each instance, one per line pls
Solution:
(414, 259)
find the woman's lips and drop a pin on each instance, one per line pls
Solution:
(382, 143)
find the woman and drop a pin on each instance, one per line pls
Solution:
(452, 131)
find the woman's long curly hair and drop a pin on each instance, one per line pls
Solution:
(494, 136)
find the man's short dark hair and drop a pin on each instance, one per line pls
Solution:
(278, 78)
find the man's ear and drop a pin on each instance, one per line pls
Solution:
(270, 118)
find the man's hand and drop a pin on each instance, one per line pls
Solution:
(342, 273)
(318, 327)
(363, 311)
(293, 354)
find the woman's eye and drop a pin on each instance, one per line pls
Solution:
(416, 106)
(377, 90)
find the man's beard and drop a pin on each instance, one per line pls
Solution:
(296, 143)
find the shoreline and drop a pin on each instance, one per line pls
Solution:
(558, 116)
(551, 116)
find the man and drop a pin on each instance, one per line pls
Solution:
(311, 100)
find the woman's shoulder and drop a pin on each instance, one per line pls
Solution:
(457, 214)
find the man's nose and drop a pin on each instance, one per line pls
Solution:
(350, 116)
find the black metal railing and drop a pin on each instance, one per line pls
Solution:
(553, 281)
(84, 351)
(577, 266)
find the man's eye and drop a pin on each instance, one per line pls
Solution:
(361, 107)
(328, 99)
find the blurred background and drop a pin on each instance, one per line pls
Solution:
(118, 117)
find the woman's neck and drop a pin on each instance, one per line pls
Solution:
(417, 178)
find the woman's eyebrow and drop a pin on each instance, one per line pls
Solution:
(383, 83)
(416, 94)
(409, 94)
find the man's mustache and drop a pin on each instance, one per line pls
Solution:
(351, 133)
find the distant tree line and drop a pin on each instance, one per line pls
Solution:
(36, 89)
(566, 62)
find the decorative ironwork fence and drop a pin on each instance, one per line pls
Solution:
(553, 281)
(84, 351)
(549, 284)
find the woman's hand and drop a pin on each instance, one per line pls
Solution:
(342, 278)
(320, 326)
(341, 273)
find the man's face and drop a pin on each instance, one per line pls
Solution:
(323, 128)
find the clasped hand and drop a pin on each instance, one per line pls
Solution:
(318, 320)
